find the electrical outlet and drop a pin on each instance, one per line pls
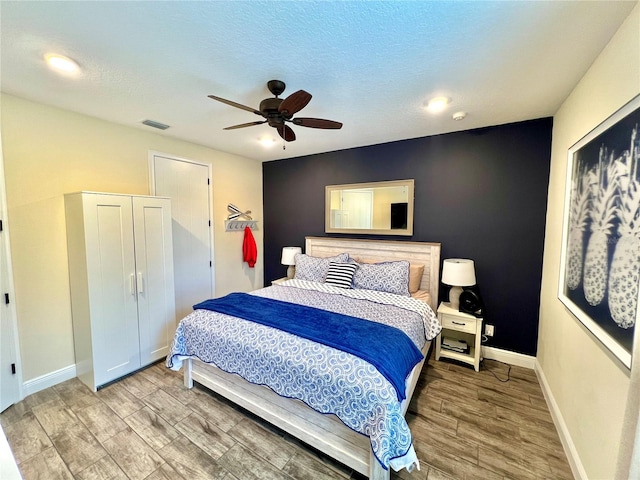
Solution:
(488, 330)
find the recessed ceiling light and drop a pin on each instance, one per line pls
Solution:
(61, 63)
(438, 104)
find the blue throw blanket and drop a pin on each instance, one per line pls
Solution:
(387, 348)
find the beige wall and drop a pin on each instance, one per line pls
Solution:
(49, 152)
(588, 385)
(382, 199)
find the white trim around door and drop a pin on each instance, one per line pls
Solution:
(188, 183)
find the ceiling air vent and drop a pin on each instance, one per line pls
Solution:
(153, 124)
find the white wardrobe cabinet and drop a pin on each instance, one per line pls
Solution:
(121, 277)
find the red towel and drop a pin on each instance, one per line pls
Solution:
(249, 249)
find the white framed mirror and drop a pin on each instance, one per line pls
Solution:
(378, 208)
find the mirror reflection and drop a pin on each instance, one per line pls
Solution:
(382, 208)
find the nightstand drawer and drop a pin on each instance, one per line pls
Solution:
(459, 324)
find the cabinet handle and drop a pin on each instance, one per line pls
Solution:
(140, 283)
(458, 323)
(132, 284)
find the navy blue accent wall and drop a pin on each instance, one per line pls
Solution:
(481, 193)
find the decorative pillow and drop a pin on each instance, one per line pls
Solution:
(415, 277)
(315, 269)
(340, 274)
(391, 277)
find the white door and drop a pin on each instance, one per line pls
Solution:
(10, 377)
(154, 277)
(9, 384)
(112, 285)
(187, 184)
(358, 206)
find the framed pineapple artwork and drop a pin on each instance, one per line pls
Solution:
(600, 260)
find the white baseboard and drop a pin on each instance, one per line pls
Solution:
(512, 358)
(563, 432)
(528, 361)
(48, 380)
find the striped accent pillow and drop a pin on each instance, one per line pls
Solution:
(340, 274)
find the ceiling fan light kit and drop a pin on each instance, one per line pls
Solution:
(276, 111)
(61, 63)
(438, 104)
(267, 141)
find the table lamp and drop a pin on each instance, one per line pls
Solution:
(458, 273)
(289, 258)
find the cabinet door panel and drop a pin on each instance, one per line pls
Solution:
(110, 262)
(154, 272)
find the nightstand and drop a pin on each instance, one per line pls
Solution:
(459, 326)
(279, 280)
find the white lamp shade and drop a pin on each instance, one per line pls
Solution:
(459, 272)
(289, 255)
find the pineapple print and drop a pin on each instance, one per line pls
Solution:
(577, 224)
(625, 266)
(602, 213)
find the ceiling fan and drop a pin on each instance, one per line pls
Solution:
(276, 111)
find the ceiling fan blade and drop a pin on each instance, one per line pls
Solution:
(286, 133)
(237, 105)
(242, 125)
(316, 123)
(294, 103)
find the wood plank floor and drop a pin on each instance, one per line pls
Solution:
(466, 425)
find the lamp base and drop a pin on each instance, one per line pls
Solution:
(291, 271)
(454, 297)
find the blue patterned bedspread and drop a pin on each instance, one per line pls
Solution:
(326, 379)
(387, 348)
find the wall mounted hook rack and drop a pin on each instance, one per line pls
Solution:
(239, 225)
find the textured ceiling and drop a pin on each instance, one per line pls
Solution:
(368, 64)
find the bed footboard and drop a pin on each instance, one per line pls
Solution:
(324, 432)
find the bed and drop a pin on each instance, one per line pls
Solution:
(325, 432)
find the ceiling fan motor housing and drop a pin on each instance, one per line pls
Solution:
(269, 107)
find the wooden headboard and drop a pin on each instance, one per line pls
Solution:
(423, 253)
